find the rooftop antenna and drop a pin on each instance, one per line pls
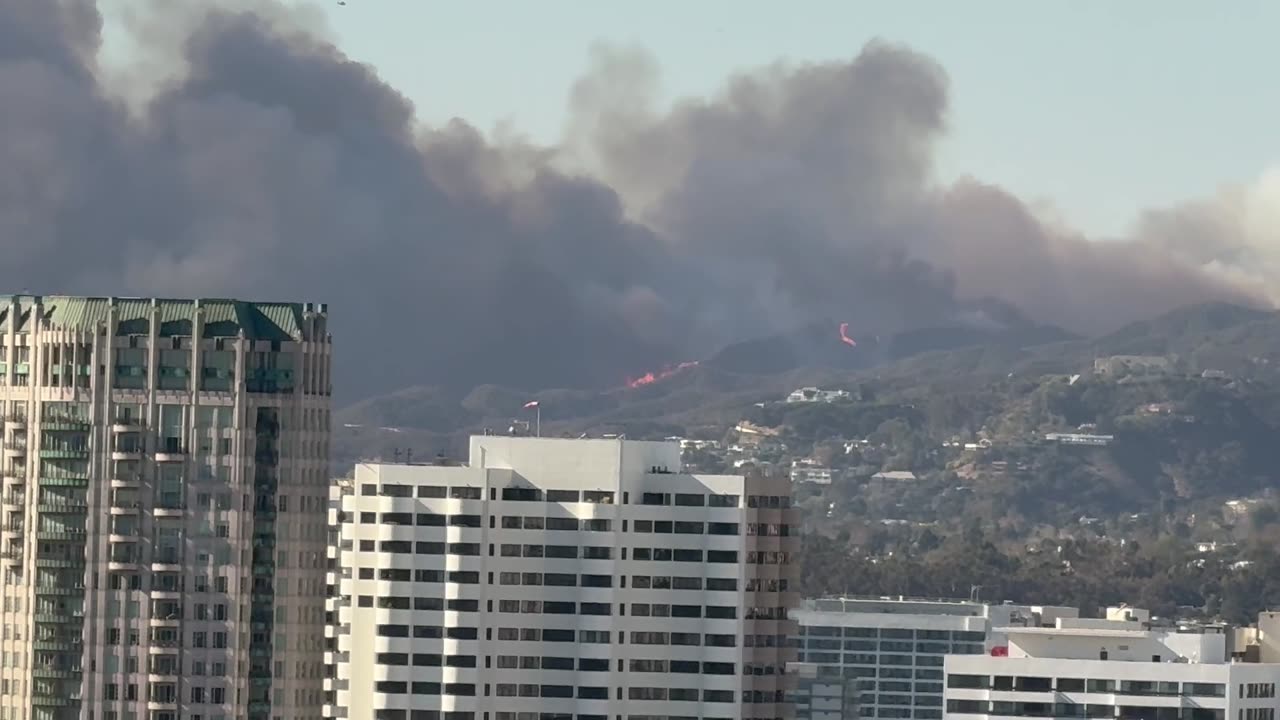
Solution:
(975, 592)
(396, 455)
(408, 456)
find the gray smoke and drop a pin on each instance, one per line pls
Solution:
(271, 166)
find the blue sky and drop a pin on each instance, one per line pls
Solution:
(1101, 108)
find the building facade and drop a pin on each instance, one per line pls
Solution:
(1117, 670)
(165, 477)
(883, 657)
(555, 579)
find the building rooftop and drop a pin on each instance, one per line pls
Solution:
(220, 318)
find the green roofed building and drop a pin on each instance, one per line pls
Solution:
(165, 482)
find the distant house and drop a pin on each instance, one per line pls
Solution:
(811, 474)
(688, 444)
(895, 476)
(1132, 365)
(1079, 439)
(813, 394)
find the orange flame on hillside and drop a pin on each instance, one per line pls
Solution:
(652, 376)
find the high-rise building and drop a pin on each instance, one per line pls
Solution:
(883, 657)
(557, 579)
(165, 483)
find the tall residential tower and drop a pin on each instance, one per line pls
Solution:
(165, 479)
(559, 579)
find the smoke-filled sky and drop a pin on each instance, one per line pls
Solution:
(246, 155)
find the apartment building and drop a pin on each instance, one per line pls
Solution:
(1122, 670)
(883, 657)
(164, 489)
(552, 579)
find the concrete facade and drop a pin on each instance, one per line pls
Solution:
(556, 578)
(164, 482)
(886, 655)
(1127, 673)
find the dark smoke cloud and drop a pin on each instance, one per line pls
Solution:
(274, 167)
(812, 188)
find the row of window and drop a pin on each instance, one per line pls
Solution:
(460, 492)
(409, 547)
(904, 700)
(665, 582)
(1066, 684)
(716, 612)
(825, 658)
(538, 522)
(602, 693)
(895, 646)
(571, 552)
(568, 524)
(165, 693)
(422, 519)
(547, 635)
(555, 579)
(599, 497)
(1074, 710)
(899, 673)
(892, 633)
(1257, 690)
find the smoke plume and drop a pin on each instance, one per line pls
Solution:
(271, 166)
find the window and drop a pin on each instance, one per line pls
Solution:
(690, 499)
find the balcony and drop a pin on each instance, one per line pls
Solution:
(14, 472)
(62, 505)
(58, 645)
(59, 590)
(15, 450)
(54, 672)
(59, 562)
(126, 454)
(73, 481)
(120, 426)
(66, 535)
(171, 454)
(15, 421)
(14, 500)
(65, 424)
(168, 508)
(125, 507)
(64, 453)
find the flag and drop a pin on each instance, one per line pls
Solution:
(531, 404)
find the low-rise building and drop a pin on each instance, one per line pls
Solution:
(1121, 669)
(883, 657)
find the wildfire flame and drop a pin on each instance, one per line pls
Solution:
(652, 376)
(844, 335)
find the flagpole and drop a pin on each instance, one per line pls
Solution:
(537, 422)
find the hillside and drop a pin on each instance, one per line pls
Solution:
(1010, 383)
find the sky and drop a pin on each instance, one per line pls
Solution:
(1096, 108)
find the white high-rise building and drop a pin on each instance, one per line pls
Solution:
(165, 480)
(883, 657)
(1120, 670)
(556, 579)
